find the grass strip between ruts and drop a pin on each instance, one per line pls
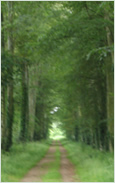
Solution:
(53, 174)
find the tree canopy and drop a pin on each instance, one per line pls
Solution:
(57, 66)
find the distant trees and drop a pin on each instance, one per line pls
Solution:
(58, 54)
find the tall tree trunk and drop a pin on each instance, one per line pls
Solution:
(33, 72)
(3, 93)
(38, 125)
(110, 88)
(102, 110)
(10, 113)
(110, 101)
(3, 116)
(25, 105)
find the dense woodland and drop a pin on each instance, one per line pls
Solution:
(57, 65)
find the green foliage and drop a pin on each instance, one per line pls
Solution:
(20, 159)
(65, 47)
(91, 164)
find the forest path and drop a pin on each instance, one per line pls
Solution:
(67, 169)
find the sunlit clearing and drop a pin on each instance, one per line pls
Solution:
(56, 132)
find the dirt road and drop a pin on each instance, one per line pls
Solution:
(67, 169)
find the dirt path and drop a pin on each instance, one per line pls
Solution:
(66, 167)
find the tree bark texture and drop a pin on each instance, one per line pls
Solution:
(10, 108)
(3, 94)
(33, 72)
(110, 87)
(25, 103)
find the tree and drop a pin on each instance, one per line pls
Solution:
(60, 54)
(10, 113)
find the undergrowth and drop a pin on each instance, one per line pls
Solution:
(91, 165)
(21, 158)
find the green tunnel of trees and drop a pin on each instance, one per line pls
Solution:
(57, 54)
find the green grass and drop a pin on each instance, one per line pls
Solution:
(53, 174)
(91, 164)
(21, 158)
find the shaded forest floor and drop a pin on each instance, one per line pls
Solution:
(54, 167)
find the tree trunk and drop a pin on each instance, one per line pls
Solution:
(10, 112)
(110, 88)
(3, 94)
(110, 101)
(25, 105)
(33, 72)
(3, 116)
(38, 125)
